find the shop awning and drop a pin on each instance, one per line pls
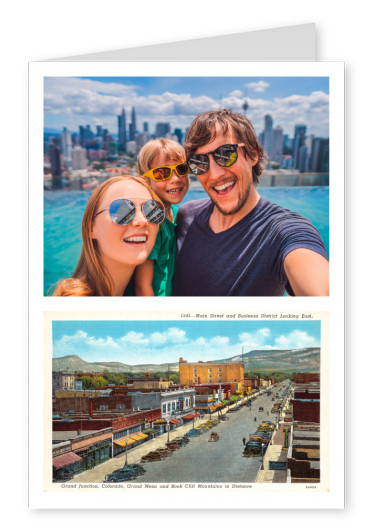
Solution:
(212, 408)
(126, 441)
(149, 431)
(65, 460)
(160, 421)
(139, 436)
(190, 417)
(174, 421)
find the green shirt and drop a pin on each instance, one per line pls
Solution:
(163, 254)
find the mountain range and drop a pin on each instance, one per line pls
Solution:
(300, 360)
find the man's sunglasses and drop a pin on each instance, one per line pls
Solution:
(164, 172)
(123, 211)
(224, 156)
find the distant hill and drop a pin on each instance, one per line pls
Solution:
(302, 360)
(74, 363)
(305, 359)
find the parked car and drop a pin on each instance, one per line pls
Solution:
(172, 446)
(151, 456)
(252, 448)
(138, 469)
(193, 433)
(123, 474)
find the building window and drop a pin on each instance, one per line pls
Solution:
(103, 407)
(194, 380)
(164, 408)
(169, 407)
(120, 406)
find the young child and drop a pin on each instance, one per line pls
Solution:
(162, 163)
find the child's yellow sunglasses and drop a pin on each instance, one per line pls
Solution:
(164, 173)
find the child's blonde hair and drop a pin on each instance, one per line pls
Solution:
(168, 148)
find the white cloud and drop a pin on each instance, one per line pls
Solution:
(219, 341)
(236, 93)
(295, 340)
(260, 86)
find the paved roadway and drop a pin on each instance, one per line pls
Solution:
(221, 461)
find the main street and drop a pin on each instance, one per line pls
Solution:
(199, 460)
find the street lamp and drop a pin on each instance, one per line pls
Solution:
(262, 455)
(126, 453)
(168, 431)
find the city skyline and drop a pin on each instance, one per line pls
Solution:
(71, 102)
(135, 342)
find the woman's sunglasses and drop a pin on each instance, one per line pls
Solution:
(225, 156)
(123, 211)
(164, 173)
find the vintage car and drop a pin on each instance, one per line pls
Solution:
(123, 474)
(193, 433)
(165, 452)
(172, 446)
(138, 469)
(252, 448)
(260, 437)
(151, 456)
(213, 437)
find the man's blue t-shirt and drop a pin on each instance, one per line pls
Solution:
(246, 259)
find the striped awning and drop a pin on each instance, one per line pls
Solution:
(65, 460)
(174, 421)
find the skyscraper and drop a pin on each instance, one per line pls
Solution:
(79, 159)
(132, 125)
(122, 131)
(268, 134)
(276, 153)
(66, 143)
(54, 156)
(161, 129)
(299, 141)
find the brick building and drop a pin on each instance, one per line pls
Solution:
(192, 374)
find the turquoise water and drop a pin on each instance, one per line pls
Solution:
(63, 211)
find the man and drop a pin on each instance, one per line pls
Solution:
(236, 242)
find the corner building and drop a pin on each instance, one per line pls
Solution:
(192, 374)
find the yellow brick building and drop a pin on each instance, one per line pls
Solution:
(210, 373)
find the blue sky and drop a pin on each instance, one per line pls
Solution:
(135, 342)
(70, 102)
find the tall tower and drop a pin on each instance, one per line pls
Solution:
(132, 125)
(299, 141)
(268, 134)
(122, 131)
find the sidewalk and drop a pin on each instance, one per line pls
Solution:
(274, 452)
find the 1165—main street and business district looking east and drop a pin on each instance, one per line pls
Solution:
(236, 421)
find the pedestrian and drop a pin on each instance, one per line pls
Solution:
(244, 440)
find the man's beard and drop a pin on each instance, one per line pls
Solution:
(241, 202)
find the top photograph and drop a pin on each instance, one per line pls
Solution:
(186, 186)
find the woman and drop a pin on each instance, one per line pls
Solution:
(119, 229)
